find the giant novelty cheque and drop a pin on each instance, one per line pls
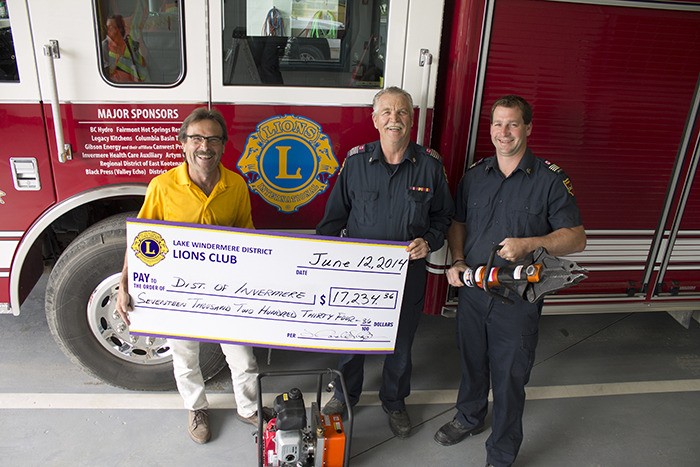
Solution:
(264, 289)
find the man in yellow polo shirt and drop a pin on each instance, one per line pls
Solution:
(202, 191)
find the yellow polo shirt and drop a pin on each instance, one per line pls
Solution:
(172, 196)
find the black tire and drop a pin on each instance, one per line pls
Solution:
(310, 53)
(80, 297)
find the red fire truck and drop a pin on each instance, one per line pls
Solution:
(92, 95)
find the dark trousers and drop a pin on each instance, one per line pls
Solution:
(396, 375)
(496, 344)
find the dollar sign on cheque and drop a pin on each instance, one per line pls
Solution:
(323, 299)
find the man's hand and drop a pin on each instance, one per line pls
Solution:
(454, 274)
(418, 248)
(123, 306)
(561, 242)
(514, 249)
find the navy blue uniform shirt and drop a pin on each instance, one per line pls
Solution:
(374, 200)
(536, 199)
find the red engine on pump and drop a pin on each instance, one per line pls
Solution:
(289, 442)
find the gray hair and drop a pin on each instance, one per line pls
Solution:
(392, 90)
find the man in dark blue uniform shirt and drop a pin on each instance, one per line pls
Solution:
(520, 202)
(392, 189)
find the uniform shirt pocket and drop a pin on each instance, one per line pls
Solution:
(528, 218)
(366, 207)
(419, 212)
(479, 212)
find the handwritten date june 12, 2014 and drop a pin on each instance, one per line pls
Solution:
(368, 262)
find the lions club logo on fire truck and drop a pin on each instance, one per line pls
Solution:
(288, 161)
(150, 247)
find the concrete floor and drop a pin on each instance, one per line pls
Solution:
(606, 390)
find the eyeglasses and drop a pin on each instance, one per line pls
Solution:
(211, 140)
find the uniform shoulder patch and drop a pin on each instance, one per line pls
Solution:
(356, 150)
(569, 186)
(476, 163)
(553, 167)
(433, 153)
(562, 176)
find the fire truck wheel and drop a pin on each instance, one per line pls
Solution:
(80, 310)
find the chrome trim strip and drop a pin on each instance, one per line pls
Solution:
(436, 272)
(682, 267)
(33, 233)
(618, 308)
(637, 235)
(636, 249)
(580, 304)
(616, 267)
(621, 267)
(620, 298)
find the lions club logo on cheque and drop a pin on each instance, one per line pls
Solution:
(149, 247)
(288, 161)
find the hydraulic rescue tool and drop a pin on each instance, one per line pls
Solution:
(291, 439)
(532, 278)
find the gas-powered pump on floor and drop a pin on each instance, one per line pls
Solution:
(291, 439)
